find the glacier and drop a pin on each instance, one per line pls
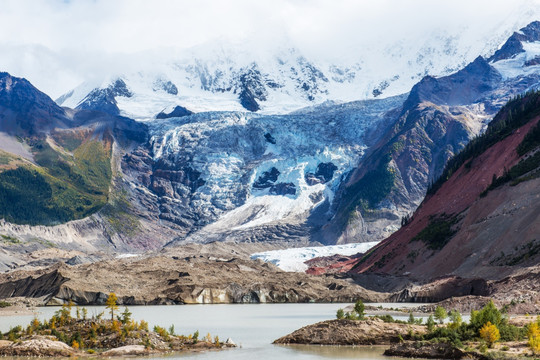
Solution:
(293, 260)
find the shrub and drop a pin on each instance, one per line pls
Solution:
(143, 325)
(340, 314)
(490, 333)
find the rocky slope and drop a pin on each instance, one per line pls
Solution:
(480, 220)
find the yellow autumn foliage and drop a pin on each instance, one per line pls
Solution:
(490, 333)
(534, 337)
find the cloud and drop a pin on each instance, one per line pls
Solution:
(57, 44)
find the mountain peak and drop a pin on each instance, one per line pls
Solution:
(25, 108)
(514, 44)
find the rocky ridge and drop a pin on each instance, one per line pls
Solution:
(172, 279)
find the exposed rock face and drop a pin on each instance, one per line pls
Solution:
(371, 331)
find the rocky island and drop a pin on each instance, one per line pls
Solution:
(489, 334)
(66, 335)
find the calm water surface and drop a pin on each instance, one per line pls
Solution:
(253, 327)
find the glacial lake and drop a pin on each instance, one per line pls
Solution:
(251, 326)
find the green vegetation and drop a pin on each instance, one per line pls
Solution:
(118, 214)
(6, 239)
(69, 140)
(516, 113)
(530, 141)
(4, 304)
(489, 324)
(4, 159)
(438, 232)
(520, 255)
(368, 192)
(514, 175)
(440, 314)
(63, 188)
(375, 185)
(357, 314)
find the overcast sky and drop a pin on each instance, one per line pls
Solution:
(57, 44)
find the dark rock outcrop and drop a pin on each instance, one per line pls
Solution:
(267, 179)
(323, 174)
(43, 285)
(283, 189)
(178, 111)
(252, 88)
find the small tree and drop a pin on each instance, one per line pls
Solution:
(490, 333)
(489, 313)
(440, 314)
(126, 316)
(111, 304)
(411, 318)
(430, 323)
(534, 337)
(340, 314)
(359, 308)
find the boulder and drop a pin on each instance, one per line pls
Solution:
(128, 350)
(36, 346)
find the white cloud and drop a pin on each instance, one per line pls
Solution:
(57, 44)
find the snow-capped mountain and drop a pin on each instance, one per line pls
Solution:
(332, 172)
(221, 76)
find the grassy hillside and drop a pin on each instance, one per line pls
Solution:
(69, 183)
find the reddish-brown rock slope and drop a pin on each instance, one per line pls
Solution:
(459, 229)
